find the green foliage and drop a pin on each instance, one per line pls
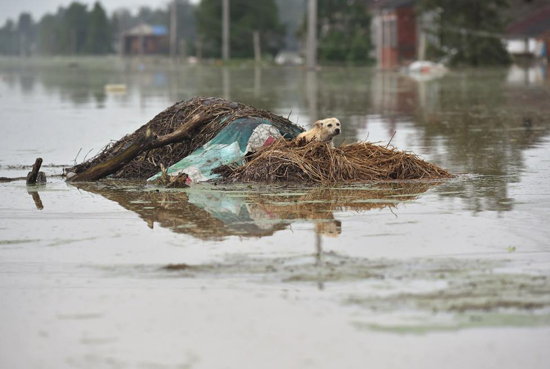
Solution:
(9, 39)
(99, 38)
(245, 18)
(468, 30)
(17, 39)
(25, 29)
(74, 27)
(343, 31)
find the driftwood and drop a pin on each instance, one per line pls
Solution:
(142, 144)
(33, 174)
(110, 166)
(6, 179)
(183, 133)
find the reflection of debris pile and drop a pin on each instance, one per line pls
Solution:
(318, 162)
(212, 213)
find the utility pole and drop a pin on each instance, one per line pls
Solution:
(225, 30)
(174, 29)
(311, 54)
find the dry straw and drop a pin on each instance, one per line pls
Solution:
(319, 162)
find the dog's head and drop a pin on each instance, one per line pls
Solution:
(328, 128)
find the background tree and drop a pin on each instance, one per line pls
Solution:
(48, 34)
(246, 17)
(99, 35)
(8, 39)
(187, 29)
(74, 28)
(343, 31)
(26, 32)
(467, 31)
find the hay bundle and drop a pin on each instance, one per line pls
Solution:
(215, 114)
(318, 162)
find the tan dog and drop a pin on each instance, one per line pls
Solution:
(325, 130)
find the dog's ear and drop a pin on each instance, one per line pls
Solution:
(319, 124)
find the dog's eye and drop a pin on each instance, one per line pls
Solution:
(330, 125)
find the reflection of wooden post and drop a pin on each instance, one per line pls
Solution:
(422, 42)
(311, 90)
(199, 49)
(140, 43)
(183, 50)
(312, 35)
(226, 83)
(73, 41)
(22, 45)
(257, 49)
(174, 29)
(225, 30)
(36, 199)
(318, 247)
(257, 81)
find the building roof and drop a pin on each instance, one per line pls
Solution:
(145, 29)
(534, 24)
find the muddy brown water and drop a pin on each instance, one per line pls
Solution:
(423, 274)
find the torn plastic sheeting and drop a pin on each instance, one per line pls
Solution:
(228, 147)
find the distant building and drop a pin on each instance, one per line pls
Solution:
(529, 34)
(394, 32)
(146, 39)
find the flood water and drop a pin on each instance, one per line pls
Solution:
(396, 275)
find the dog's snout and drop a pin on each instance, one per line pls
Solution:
(337, 130)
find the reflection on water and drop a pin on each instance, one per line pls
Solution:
(35, 197)
(209, 213)
(478, 122)
(471, 252)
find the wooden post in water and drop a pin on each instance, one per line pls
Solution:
(257, 47)
(33, 174)
(174, 29)
(225, 30)
(311, 54)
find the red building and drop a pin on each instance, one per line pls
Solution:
(395, 32)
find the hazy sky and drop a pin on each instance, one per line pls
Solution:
(12, 8)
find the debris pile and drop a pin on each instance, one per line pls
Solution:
(169, 137)
(212, 138)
